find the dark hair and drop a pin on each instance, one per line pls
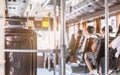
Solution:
(73, 35)
(90, 29)
(103, 29)
(110, 29)
(79, 31)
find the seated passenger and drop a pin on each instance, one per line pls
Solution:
(97, 53)
(74, 44)
(100, 58)
(80, 47)
(115, 44)
(71, 48)
(79, 36)
(81, 44)
(89, 51)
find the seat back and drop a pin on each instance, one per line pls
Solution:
(88, 45)
(20, 63)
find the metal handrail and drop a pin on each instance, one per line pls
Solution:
(32, 51)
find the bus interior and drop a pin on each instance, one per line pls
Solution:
(38, 36)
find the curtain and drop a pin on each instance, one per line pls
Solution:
(84, 27)
(97, 22)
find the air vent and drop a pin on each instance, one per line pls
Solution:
(24, 1)
(10, 7)
(14, 8)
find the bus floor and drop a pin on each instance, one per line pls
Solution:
(71, 69)
(42, 71)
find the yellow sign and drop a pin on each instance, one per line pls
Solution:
(45, 22)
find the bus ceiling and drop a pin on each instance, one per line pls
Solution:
(75, 9)
(91, 9)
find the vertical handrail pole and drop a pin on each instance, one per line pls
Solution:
(55, 23)
(59, 38)
(55, 29)
(63, 46)
(49, 29)
(106, 38)
(2, 37)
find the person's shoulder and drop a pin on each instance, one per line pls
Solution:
(86, 36)
(93, 36)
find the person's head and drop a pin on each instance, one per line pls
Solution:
(103, 31)
(90, 29)
(79, 32)
(73, 35)
(110, 29)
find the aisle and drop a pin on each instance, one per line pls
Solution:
(41, 71)
(71, 69)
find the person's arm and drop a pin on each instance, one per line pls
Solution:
(80, 42)
(94, 47)
(110, 45)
